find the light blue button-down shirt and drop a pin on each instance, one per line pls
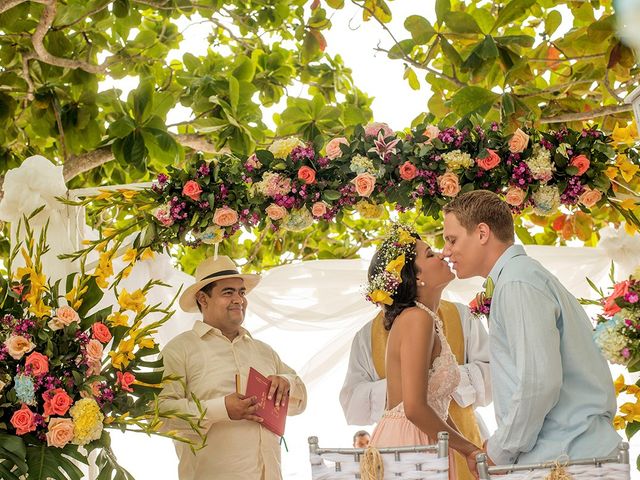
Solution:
(552, 388)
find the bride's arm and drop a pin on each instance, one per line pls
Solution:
(417, 338)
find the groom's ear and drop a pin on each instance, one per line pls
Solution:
(484, 232)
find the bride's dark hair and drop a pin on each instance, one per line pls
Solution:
(406, 293)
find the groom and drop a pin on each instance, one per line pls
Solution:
(552, 388)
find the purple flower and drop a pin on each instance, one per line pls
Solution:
(302, 152)
(382, 147)
(203, 170)
(631, 297)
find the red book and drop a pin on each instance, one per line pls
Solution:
(274, 416)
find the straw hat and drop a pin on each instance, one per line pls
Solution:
(211, 270)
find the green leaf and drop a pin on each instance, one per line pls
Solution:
(552, 22)
(450, 52)
(91, 297)
(45, 462)
(121, 8)
(244, 68)
(602, 29)
(412, 78)
(337, 4)
(401, 49)
(468, 100)
(421, 30)
(234, 93)
(512, 11)
(442, 8)
(331, 195)
(461, 22)
(632, 429)
(122, 127)
(522, 40)
(142, 98)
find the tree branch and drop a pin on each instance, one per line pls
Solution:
(577, 116)
(9, 4)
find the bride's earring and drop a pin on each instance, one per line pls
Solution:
(421, 283)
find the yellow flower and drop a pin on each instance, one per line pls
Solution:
(132, 301)
(627, 169)
(87, 421)
(630, 228)
(118, 319)
(380, 296)
(369, 210)
(619, 423)
(108, 232)
(101, 282)
(103, 195)
(627, 134)
(611, 172)
(128, 194)
(130, 255)
(395, 266)
(282, 148)
(146, 342)
(404, 237)
(631, 411)
(147, 254)
(71, 295)
(120, 359)
(628, 204)
(39, 309)
(633, 389)
(619, 384)
(101, 246)
(127, 271)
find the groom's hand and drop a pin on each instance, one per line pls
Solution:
(279, 387)
(240, 407)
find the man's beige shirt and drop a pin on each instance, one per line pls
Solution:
(208, 363)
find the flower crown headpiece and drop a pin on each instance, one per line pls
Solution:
(396, 249)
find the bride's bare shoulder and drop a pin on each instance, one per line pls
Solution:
(414, 319)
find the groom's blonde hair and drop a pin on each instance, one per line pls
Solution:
(483, 206)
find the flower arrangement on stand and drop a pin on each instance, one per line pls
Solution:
(69, 372)
(293, 184)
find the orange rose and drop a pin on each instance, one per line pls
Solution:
(23, 420)
(59, 432)
(39, 363)
(125, 380)
(56, 402)
(65, 316)
(515, 196)
(490, 161)
(408, 171)
(581, 163)
(518, 142)
(94, 367)
(225, 216)
(192, 190)
(307, 175)
(276, 212)
(449, 184)
(590, 197)
(101, 332)
(17, 346)
(619, 290)
(333, 147)
(365, 183)
(319, 209)
(94, 350)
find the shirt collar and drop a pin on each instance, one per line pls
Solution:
(202, 329)
(508, 254)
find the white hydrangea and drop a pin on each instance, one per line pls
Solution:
(611, 342)
(361, 164)
(282, 148)
(540, 163)
(457, 160)
(546, 200)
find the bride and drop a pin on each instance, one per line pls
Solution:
(407, 278)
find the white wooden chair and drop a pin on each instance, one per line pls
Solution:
(615, 467)
(414, 462)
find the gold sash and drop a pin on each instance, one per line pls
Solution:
(464, 418)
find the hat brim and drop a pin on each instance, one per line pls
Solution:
(188, 301)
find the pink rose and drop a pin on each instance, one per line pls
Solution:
(307, 175)
(59, 432)
(515, 196)
(590, 197)
(365, 183)
(619, 290)
(23, 420)
(94, 350)
(38, 362)
(276, 212)
(252, 163)
(581, 163)
(125, 380)
(319, 209)
(373, 128)
(56, 402)
(490, 161)
(225, 216)
(333, 147)
(431, 132)
(163, 215)
(66, 315)
(192, 190)
(449, 184)
(94, 367)
(17, 346)
(518, 142)
(101, 332)
(408, 171)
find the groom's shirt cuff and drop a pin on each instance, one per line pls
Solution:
(498, 455)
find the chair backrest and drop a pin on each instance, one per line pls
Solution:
(415, 462)
(615, 467)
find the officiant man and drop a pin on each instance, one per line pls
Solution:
(208, 357)
(364, 393)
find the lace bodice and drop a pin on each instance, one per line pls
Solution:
(444, 374)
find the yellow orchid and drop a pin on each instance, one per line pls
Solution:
(627, 169)
(132, 301)
(118, 319)
(380, 296)
(103, 195)
(146, 342)
(631, 411)
(611, 172)
(108, 232)
(101, 246)
(39, 309)
(124, 354)
(130, 255)
(630, 228)
(633, 389)
(127, 271)
(128, 194)
(619, 385)
(619, 423)
(395, 266)
(627, 134)
(147, 254)
(369, 210)
(405, 238)
(628, 204)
